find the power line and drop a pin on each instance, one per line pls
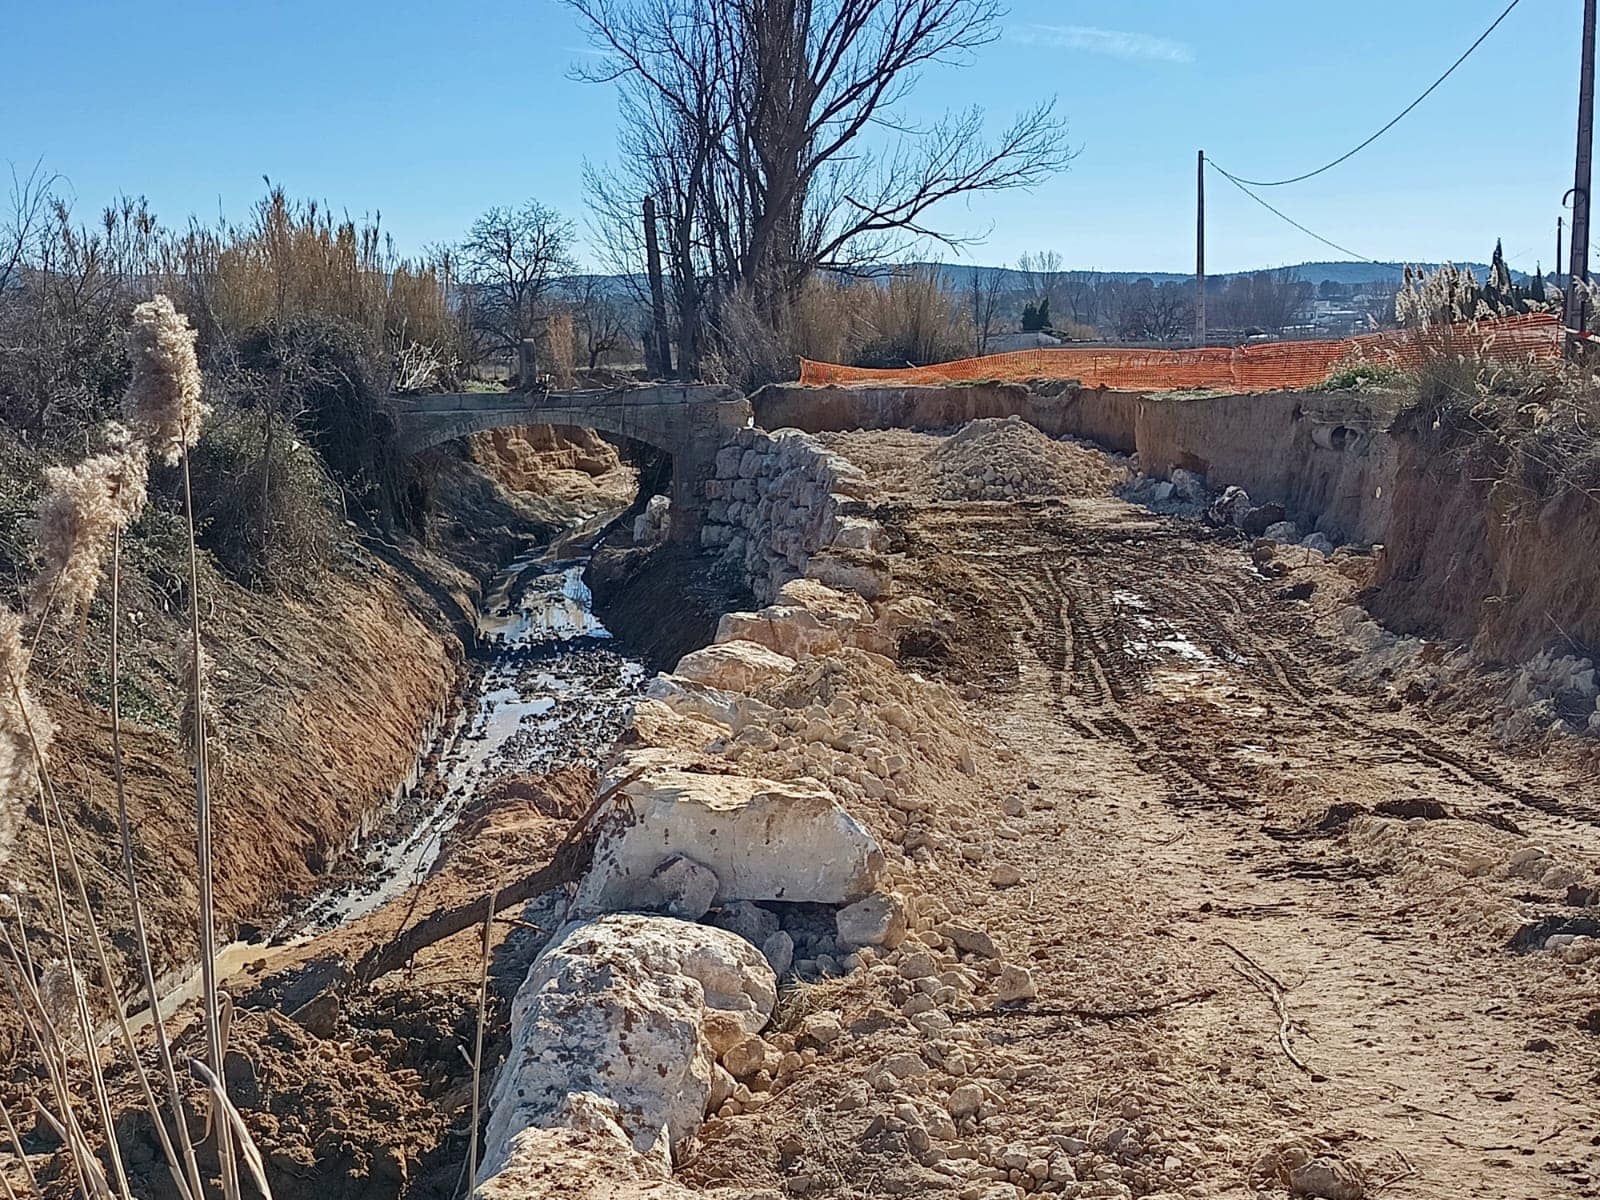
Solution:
(1405, 112)
(1282, 216)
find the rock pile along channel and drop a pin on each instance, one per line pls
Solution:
(761, 818)
(782, 507)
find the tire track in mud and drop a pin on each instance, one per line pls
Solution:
(1289, 674)
(1055, 571)
(1078, 635)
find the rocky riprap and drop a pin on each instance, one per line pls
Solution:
(780, 507)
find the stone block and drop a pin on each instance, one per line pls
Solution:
(763, 839)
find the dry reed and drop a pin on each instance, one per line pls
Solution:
(163, 404)
(477, 1044)
(85, 509)
(83, 506)
(19, 714)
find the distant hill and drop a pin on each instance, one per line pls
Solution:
(959, 275)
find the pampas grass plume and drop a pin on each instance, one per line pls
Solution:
(82, 506)
(163, 403)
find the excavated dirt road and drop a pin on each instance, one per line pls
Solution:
(1270, 917)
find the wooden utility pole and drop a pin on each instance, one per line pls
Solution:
(1200, 251)
(658, 295)
(1579, 269)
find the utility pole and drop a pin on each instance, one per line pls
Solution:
(1560, 222)
(658, 295)
(1579, 270)
(1200, 248)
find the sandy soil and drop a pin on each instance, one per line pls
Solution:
(1270, 920)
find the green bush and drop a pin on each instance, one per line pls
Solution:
(1362, 377)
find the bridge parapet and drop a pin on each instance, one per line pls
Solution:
(688, 421)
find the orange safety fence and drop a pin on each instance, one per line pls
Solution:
(1259, 367)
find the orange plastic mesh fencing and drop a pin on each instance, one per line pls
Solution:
(1261, 367)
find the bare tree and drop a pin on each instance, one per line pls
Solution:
(30, 204)
(1262, 301)
(984, 290)
(768, 134)
(1045, 276)
(601, 319)
(1148, 313)
(1080, 298)
(509, 263)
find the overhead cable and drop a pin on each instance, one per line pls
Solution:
(1405, 112)
(1283, 216)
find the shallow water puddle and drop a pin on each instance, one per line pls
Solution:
(557, 692)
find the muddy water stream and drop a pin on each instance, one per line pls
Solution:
(556, 691)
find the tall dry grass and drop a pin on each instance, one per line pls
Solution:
(83, 513)
(71, 291)
(561, 347)
(908, 317)
(294, 260)
(911, 320)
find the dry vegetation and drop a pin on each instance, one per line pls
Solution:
(82, 516)
(170, 496)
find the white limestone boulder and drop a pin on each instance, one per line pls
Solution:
(829, 605)
(650, 526)
(736, 666)
(782, 628)
(764, 840)
(586, 1156)
(693, 700)
(608, 1038)
(808, 619)
(865, 574)
(859, 533)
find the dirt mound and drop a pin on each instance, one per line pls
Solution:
(1008, 459)
(563, 794)
(575, 465)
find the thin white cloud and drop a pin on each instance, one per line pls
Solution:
(1117, 43)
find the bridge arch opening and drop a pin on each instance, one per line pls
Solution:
(686, 422)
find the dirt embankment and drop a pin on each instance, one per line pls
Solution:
(555, 464)
(662, 600)
(322, 701)
(1473, 554)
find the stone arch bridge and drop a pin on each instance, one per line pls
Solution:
(688, 421)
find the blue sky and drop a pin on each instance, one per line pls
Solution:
(431, 112)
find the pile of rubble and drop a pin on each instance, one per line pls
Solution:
(1186, 494)
(760, 820)
(1549, 693)
(1008, 459)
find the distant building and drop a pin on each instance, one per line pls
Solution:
(1337, 318)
